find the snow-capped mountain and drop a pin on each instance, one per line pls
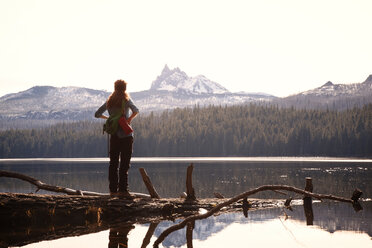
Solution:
(177, 81)
(171, 89)
(332, 96)
(335, 90)
(175, 89)
(47, 102)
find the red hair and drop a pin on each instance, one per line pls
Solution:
(115, 100)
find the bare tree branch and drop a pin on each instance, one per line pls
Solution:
(57, 189)
(218, 207)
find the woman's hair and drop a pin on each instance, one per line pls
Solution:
(119, 94)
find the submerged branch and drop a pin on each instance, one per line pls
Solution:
(58, 189)
(218, 207)
(44, 186)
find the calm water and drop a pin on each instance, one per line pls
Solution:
(334, 223)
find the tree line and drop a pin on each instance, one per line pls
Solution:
(249, 130)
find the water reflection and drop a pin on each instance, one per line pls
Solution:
(149, 234)
(228, 179)
(118, 236)
(333, 223)
(331, 217)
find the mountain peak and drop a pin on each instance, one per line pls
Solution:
(369, 79)
(329, 83)
(165, 70)
(175, 80)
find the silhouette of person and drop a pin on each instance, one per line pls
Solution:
(121, 143)
(118, 236)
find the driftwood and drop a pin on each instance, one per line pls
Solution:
(40, 185)
(189, 229)
(189, 189)
(58, 189)
(148, 183)
(149, 234)
(308, 206)
(56, 216)
(244, 195)
(100, 210)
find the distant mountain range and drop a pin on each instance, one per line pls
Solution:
(173, 88)
(46, 102)
(331, 96)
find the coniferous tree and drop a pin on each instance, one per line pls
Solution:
(250, 130)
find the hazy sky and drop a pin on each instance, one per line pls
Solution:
(279, 47)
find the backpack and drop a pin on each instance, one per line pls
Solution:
(112, 123)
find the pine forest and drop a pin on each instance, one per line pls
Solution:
(250, 130)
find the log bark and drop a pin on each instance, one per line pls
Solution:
(189, 189)
(309, 184)
(57, 216)
(308, 202)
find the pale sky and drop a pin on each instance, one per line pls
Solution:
(280, 47)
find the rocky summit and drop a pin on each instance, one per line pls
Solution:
(178, 81)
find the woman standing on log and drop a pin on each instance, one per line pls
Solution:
(121, 144)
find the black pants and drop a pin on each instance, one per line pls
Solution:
(123, 148)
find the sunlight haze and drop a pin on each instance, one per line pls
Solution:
(276, 47)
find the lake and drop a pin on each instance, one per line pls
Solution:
(335, 224)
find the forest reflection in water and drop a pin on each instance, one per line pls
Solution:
(333, 222)
(228, 179)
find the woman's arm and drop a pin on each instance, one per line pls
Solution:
(134, 109)
(100, 111)
(131, 117)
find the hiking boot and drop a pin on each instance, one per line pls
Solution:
(125, 195)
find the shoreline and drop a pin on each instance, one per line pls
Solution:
(135, 160)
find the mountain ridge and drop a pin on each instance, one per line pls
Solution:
(173, 88)
(331, 96)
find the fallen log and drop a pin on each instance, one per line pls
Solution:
(84, 207)
(29, 218)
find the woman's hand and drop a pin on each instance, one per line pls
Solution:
(133, 115)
